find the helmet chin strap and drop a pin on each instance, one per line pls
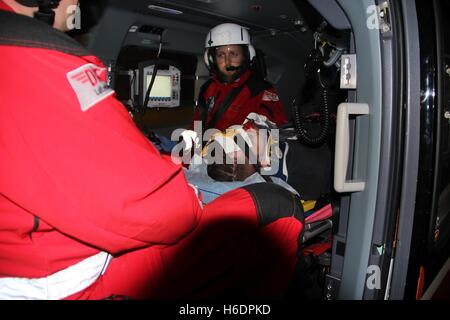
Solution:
(45, 12)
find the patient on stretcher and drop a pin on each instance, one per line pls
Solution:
(242, 155)
(247, 154)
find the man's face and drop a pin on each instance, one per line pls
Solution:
(227, 56)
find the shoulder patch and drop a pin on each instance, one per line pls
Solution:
(270, 96)
(89, 84)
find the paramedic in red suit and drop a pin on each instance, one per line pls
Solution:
(88, 207)
(230, 57)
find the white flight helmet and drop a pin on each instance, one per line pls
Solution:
(227, 34)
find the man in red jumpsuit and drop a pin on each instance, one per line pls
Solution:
(89, 209)
(235, 89)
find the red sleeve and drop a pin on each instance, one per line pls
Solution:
(270, 105)
(89, 174)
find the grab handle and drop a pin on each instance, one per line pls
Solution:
(342, 147)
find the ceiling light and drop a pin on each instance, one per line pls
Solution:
(133, 29)
(206, 1)
(164, 9)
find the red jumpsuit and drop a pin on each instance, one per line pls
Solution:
(257, 95)
(88, 204)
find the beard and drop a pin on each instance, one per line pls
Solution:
(227, 78)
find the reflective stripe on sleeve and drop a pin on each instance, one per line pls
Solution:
(58, 285)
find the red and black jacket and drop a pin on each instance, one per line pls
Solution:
(250, 93)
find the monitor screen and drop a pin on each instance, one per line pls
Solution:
(162, 87)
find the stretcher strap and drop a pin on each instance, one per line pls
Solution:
(321, 214)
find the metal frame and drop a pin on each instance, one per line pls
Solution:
(366, 157)
(411, 154)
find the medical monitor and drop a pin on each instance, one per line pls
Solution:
(162, 86)
(166, 87)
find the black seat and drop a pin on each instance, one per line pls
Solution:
(259, 65)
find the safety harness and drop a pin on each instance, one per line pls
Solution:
(255, 84)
